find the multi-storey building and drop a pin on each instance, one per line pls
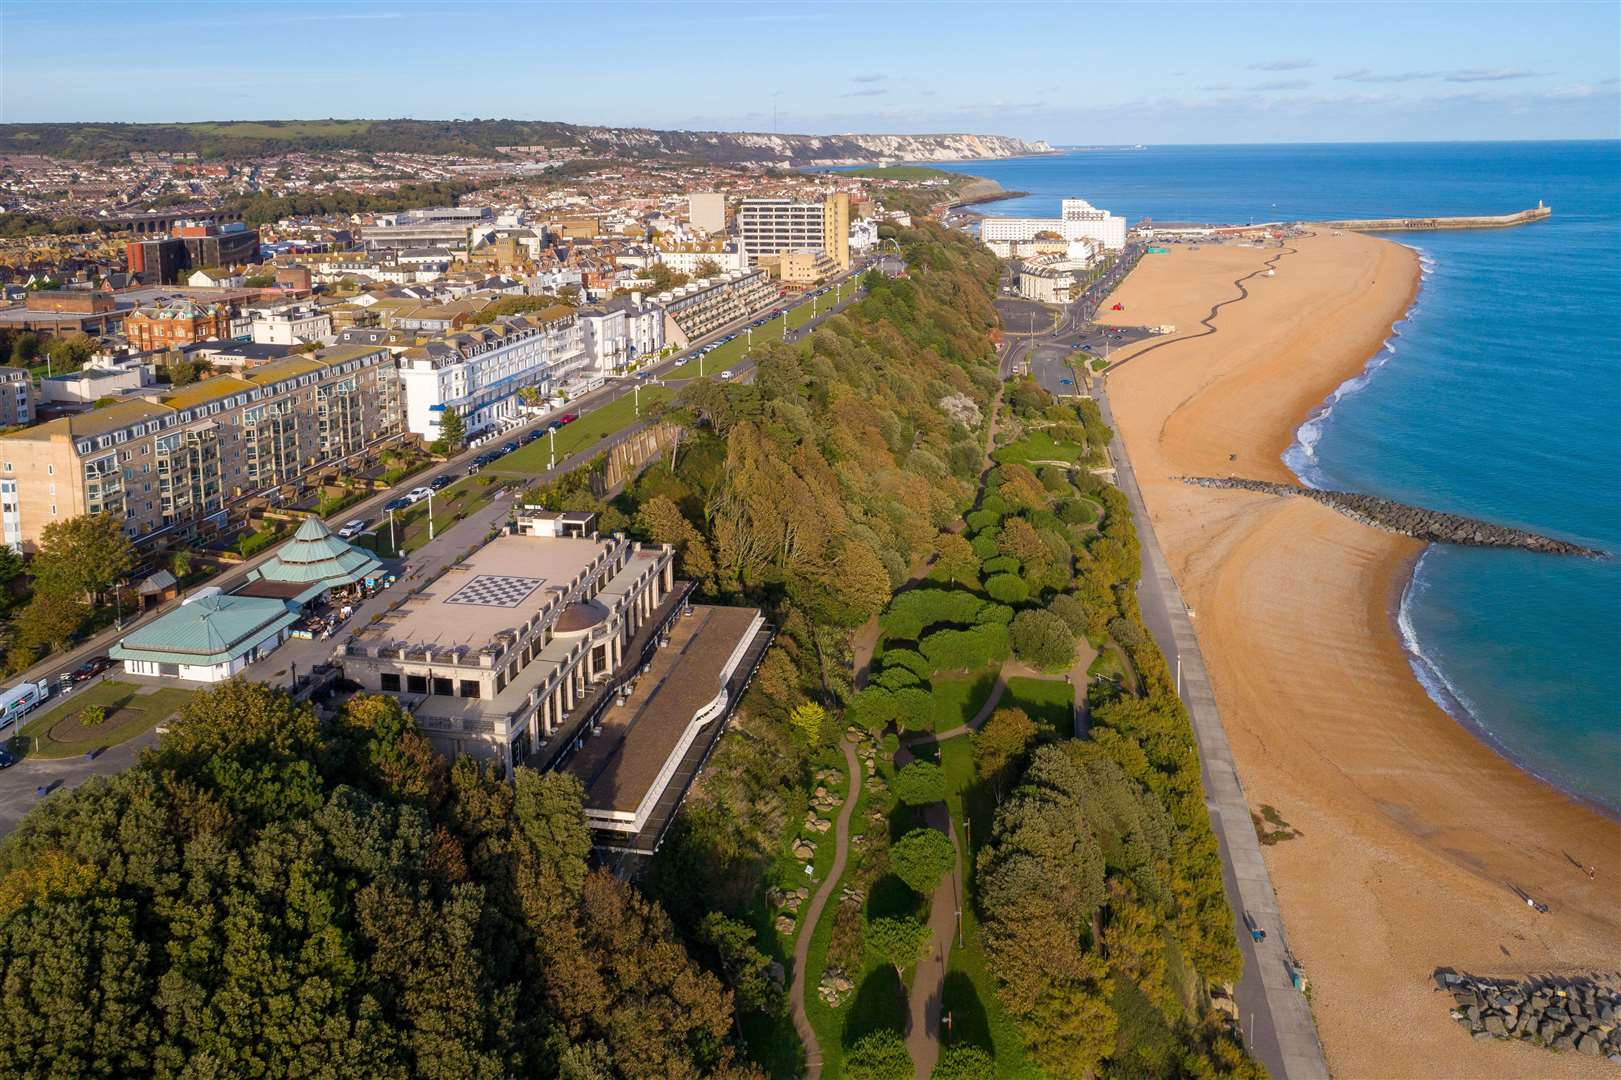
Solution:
(774, 226)
(19, 403)
(295, 324)
(706, 210)
(191, 246)
(1077, 220)
(480, 371)
(176, 464)
(621, 331)
(702, 307)
(169, 324)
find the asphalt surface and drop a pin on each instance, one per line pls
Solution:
(21, 784)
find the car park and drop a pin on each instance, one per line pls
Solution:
(91, 668)
(352, 528)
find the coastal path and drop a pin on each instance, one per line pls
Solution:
(1275, 1017)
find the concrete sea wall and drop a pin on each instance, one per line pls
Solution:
(1436, 224)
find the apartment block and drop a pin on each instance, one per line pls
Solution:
(19, 402)
(773, 226)
(190, 246)
(702, 307)
(480, 371)
(621, 331)
(1077, 220)
(706, 210)
(177, 464)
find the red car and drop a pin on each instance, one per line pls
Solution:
(91, 668)
(568, 418)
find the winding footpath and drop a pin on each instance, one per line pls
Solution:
(841, 851)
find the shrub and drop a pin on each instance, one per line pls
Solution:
(873, 708)
(1042, 640)
(897, 942)
(1068, 607)
(921, 858)
(908, 659)
(964, 1062)
(1007, 588)
(954, 650)
(1002, 564)
(1077, 512)
(93, 715)
(912, 612)
(920, 783)
(879, 1056)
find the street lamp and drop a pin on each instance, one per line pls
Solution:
(392, 546)
(636, 391)
(551, 441)
(430, 514)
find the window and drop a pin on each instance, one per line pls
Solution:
(391, 681)
(469, 688)
(443, 686)
(416, 684)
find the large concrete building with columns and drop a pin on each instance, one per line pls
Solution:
(509, 653)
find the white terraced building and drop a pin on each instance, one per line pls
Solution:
(480, 372)
(1077, 220)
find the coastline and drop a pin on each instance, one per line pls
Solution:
(1413, 827)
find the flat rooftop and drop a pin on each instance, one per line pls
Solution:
(619, 766)
(499, 587)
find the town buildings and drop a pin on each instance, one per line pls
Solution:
(177, 464)
(621, 331)
(701, 307)
(191, 246)
(1077, 220)
(481, 371)
(1052, 279)
(706, 210)
(293, 324)
(171, 323)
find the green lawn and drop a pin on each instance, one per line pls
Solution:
(969, 996)
(129, 712)
(958, 700)
(460, 499)
(531, 461)
(733, 351)
(1049, 702)
(1040, 446)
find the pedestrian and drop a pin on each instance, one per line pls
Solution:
(1592, 873)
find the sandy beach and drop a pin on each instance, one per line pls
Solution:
(1414, 832)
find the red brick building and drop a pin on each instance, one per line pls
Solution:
(169, 324)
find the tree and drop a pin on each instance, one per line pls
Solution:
(452, 431)
(82, 556)
(880, 1055)
(706, 268)
(49, 620)
(1007, 589)
(897, 942)
(999, 747)
(1042, 639)
(954, 558)
(69, 353)
(964, 1062)
(920, 783)
(11, 564)
(808, 718)
(180, 563)
(25, 348)
(1068, 607)
(921, 858)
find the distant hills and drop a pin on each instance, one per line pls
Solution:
(229, 140)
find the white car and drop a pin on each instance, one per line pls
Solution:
(352, 528)
(417, 494)
(726, 374)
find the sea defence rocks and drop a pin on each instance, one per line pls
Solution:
(1415, 521)
(1573, 1013)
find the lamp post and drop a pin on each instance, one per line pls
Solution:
(392, 546)
(636, 393)
(551, 441)
(430, 515)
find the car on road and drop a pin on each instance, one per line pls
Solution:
(726, 374)
(352, 528)
(417, 494)
(6, 760)
(396, 504)
(509, 447)
(568, 418)
(441, 482)
(531, 435)
(1066, 382)
(554, 425)
(91, 668)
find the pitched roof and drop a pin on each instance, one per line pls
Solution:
(209, 630)
(317, 558)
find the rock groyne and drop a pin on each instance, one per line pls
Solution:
(1441, 224)
(1578, 1013)
(1432, 526)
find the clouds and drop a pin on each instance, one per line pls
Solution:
(1366, 75)
(869, 78)
(1462, 75)
(1471, 75)
(874, 91)
(1284, 65)
(1280, 84)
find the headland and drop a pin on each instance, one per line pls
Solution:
(1412, 834)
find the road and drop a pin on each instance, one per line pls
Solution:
(20, 784)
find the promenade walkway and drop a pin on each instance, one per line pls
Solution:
(1275, 1017)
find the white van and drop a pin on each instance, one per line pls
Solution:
(19, 701)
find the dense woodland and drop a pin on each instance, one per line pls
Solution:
(271, 894)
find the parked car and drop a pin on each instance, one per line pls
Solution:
(396, 504)
(6, 760)
(417, 494)
(509, 447)
(442, 481)
(554, 425)
(91, 668)
(726, 374)
(352, 528)
(530, 436)
(474, 466)
(568, 418)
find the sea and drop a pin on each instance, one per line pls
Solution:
(1497, 396)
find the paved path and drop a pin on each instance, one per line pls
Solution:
(1275, 1017)
(813, 914)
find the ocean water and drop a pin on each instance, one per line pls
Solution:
(1499, 396)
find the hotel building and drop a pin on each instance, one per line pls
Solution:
(480, 371)
(176, 464)
(775, 226)
(1077, 220)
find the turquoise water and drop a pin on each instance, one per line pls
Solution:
(1498, 397)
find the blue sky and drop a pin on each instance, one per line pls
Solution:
(1070, 73)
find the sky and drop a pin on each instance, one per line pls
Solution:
(1074, 74)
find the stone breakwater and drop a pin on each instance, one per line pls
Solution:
(1431, 526)
(1579, 1013)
